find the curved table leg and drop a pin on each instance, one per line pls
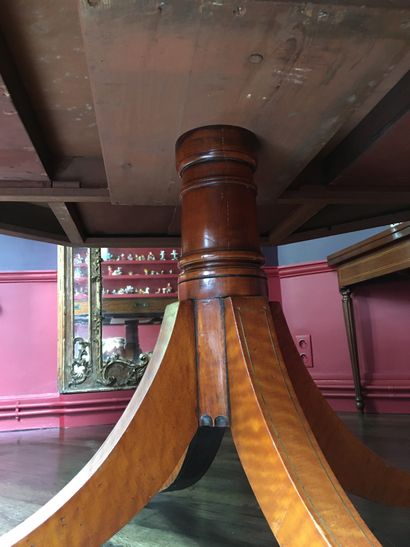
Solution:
(138, 456)
(299, 495)
(358, 469)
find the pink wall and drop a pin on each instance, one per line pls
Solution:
(309, 293)
(28, 330)
(312, 305)
(29, 396)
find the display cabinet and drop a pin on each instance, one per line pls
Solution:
(105, 295)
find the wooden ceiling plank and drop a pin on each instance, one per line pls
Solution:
(362, 224)
(382, 118)
(14, 89)
(159, 241)
(54, 195)
(15, 230)
(299, 216)
(346, 195)
(45, 40)
(17, 184)
(68, 217)
(269, 68)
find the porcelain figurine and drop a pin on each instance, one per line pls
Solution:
(174, 254)
(150, 256)
(130, 257)
(117, 271)
(105, 254)
(162, 255)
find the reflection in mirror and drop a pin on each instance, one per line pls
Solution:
(80, 368)
(111, 304)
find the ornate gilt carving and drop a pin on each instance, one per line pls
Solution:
(119, 372)
(82, 364)
(81, 367)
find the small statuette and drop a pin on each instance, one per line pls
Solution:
(109, 270)
(150, 256)
(130, 272)
(114, 291)
(121, 291)
(141, 257)
(136, 257)
(174, 254)
(130, 257)
(117, 271)
(171, 271)
(105, 254)
(146, 272)
(168, 288)
(122, 256)
(147, 290)
(162, 255)
(129, 289)
(158, 291)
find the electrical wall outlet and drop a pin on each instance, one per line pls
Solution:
(304, 347)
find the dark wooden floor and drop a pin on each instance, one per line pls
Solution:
(219, 511)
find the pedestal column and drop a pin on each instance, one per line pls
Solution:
(220, 241)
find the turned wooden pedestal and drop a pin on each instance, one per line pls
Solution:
(224, 358)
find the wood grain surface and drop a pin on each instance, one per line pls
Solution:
(221, 254)
(297, 491)
(359, 470)
(213, 404)
(293, 74)
(138, 456)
